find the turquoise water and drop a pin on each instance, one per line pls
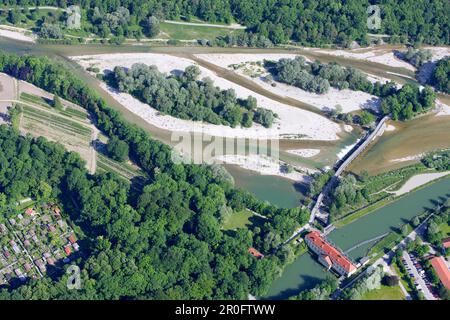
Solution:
(304, 273)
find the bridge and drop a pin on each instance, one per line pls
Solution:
(378, 131)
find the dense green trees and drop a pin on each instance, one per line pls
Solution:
(409, 101)
(117, 149)
(322, 291)
(318, 77)
(186, 97)
(440, 78)
(417, 57)
(161, 242)
(316, 23)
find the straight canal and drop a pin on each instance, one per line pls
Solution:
(305, 272)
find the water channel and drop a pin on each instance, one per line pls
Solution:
(305, 272)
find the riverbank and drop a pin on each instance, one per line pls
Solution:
(18, 34)
(251, 67)
(413, 184)
(291, 122)
(267, 166)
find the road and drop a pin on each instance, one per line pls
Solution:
(226, 26)
(379, 129)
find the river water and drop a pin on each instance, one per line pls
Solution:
(305, 272)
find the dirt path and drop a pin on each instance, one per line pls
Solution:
(226, 26)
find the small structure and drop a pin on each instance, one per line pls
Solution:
(446, 242)
(30, 212)
(329, 256)
(72, 239)
(442, 271)
(67, 250)
(255, 253)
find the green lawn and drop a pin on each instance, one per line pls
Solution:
(239, 220)
(184, 32)
(445, 228)
(385, 293)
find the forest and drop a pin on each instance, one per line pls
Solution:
(163, 241)
(312, 23)
(184, 96)
(318, 77)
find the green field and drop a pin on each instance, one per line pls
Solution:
(185, 32)
(31, 98)
(385, 293)
(445, 228)
(241, 219)
(124, 170)
(55, 122)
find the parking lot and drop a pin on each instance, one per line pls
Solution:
(417, 273)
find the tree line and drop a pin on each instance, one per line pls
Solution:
(312, 23)
(185, 97)
(162, 242)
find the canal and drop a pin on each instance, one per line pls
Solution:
(304, 273)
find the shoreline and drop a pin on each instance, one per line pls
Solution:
(349, 100)
(384, 202)
(291, 121)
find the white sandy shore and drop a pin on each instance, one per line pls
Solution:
(444, 110)
(418, 180)
(265, 166)
(408, 158)
(390, 127)
(305, 153)
(349, 100)
(293, 122)
(16, 33)
(375, 55)
(438, 53)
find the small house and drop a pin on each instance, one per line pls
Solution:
(67, 250)
(72, 239)
(255, 253)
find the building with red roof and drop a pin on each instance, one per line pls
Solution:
(255, 253)
(441, 268)
(446, 242)
(67, 250)
(329, 256)
(72, 238)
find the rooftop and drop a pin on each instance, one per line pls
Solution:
(335, 255)
(442, 271)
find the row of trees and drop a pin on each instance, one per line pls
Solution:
(417, 57)
(162, 242)
(440, 77)
(401, 104)
(408, 102)
(306, 22)
(185, 97)
(317, 77)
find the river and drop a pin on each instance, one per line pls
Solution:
(305, 272)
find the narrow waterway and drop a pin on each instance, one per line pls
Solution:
(304, 273)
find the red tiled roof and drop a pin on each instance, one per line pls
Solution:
(446, 242)
(72, 238)
(442, 271)
(67, 250)
(255, 252)
(327, 249)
